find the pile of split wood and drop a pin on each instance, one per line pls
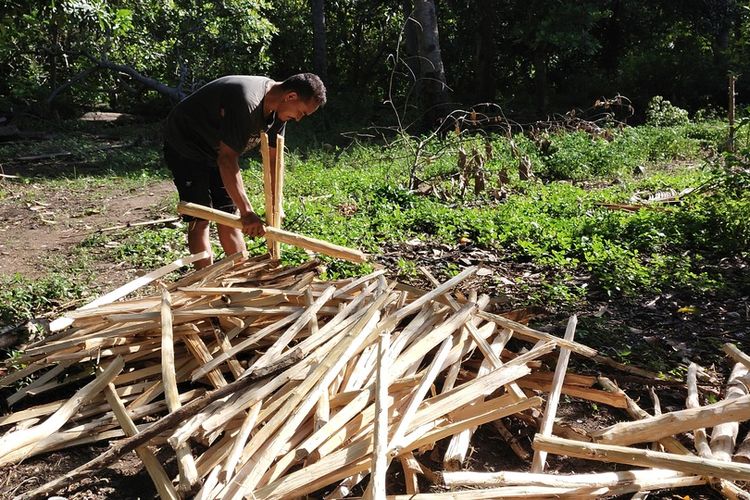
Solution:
(265, 382)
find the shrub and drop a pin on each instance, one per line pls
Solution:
(663, 113)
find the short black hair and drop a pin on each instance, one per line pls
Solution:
(307, 86)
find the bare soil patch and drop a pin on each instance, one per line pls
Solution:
(39, 223)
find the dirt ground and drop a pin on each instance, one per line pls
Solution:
(37, 225)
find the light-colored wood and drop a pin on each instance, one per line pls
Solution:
(64, 322)
(13, 441)
(185, 461)
(737, 355)
(411, 468)
(268, 188)
(278, 193)
(524, 331)
(643, 458)
(274, 234)
(282, 425)
(159, 477)
(670, 443)
(692, 401)
(380, 461)
(436, 365)
(594, 480)
(654, 428)
(545, 428)
(724, 435)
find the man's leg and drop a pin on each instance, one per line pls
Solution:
(231, 239)
(199, 241)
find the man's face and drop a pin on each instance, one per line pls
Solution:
(292, 107)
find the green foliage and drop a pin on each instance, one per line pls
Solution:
(151, 248)
(22, 299)
(662, 113)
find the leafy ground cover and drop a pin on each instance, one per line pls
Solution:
(655, 283)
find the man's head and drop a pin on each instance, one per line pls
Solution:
(301, 95)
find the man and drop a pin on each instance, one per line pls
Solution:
(208, 131)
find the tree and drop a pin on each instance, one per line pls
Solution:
(434, 90)
(320, 56)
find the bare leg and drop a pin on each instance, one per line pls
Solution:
(198, 241)
(231, 239)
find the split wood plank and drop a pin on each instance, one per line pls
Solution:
(159, 477)
(692, 401)
(643, 458)
(13, 441)
(64, 322)
(545, 428)
(653, 428)
(274, 234)
(185, 460)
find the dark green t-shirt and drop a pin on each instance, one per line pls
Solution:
(228, 109)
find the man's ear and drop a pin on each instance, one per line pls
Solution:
(291, 96)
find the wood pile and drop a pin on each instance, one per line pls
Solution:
(265, 382)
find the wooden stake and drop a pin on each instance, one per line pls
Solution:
(380, 461)
(16, 440)
(644, 458)
(545, 428)
(724, 435)
(701, 440)
(274, 234)
(153, 467)
(188, 473)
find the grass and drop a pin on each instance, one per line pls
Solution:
(555, 222)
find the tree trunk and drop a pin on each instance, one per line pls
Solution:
(411, 49)
(485, 57)
(540, 79)
(432, 72)
(320, 53)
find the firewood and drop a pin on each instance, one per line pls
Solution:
(185, 461)
(161, 481)
(699, 433)
(274, 234)
(724, 434)
(13, 441)
(670, 443)
(644, 458)
(380, 460)
(594, 480)
(545, 428)
(738, 356)
(64, 322)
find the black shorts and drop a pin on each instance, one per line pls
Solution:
(198, 181)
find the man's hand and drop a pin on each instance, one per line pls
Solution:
(252, 225)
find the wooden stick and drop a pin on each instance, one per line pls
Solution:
(644, 458)
(512, 440)
(64, 322)
(594, 480)
(380, 461)
(16, 440)
(654, 428)
(278, 193)
(738, 356)
(274, 234)
(545, 428)
(724, 435)
(524, 330)
(267, 182)
(121, 447)
(670, 443)
(284, 423)
(153, 467)
(185, 461)
(701, 440)
(411, 468)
